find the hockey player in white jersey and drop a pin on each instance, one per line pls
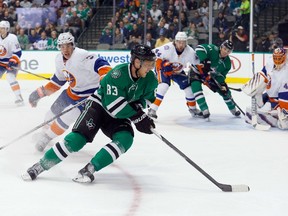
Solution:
(270, 88)
(10, 53)
(171, 60)
(82, 70)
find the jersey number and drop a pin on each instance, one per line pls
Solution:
(112, 90)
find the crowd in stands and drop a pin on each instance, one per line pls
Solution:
(37, 23)
(230, 21)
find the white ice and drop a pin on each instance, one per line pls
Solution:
(151, 178)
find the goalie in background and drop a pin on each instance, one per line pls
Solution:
(10, 53)
(82, 71)
(270, 88)
(171, 59)
(214, 65)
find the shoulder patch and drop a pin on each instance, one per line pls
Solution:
(116, 74)
(166, 47)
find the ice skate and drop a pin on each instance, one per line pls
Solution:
(235, 112)
(206, 114)
(152, 113)
(42, 141)
(196, 113)
(19, 101)
(32, 172)
(85, 175)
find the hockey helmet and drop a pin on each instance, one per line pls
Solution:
(181, 36)
(143, 53)
(228, 44)
(65, 38)
(279, 56)
(5, 24)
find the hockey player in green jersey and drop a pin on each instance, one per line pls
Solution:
(119, 100)
(214, 66)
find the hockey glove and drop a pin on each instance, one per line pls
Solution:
(136, 105)
(142, 122)
(197, 68)
(12, 64)
(36, 95)
(223, 88)
(166, 68)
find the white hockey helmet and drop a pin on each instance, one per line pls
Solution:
(5, 24)
(65, 38)
(181, 36)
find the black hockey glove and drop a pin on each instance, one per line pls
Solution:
(36, 95)
(142, 122)
(223, 88)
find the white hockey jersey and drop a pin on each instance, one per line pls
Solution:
(168, 51)
(277, 86)
(82, 71)
(9, 47)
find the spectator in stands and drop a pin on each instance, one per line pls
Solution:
(239, 39)
(162, 25)
(119, 38)
(234, 4)
(41, 44)
(197, 19)
(135, 32)
(133, 42)
(220, 39)
(151, 29)
(38, 28)
(55, 4)
(65, 3)
(124, 31)
(75, 24)
(171, 32)
(108, 26)
(25, 4)
(23, 39)
(169, 16)
(192, 31)
(155, 13)
(162, 39)
(127, 24)
(84, 12)
(276, 42)
(177, 5)
(17, 4)
(106, 38)
(6, 17)
(33, 37)
(192, 5)
(183, 19)
(245, 11)
(221, 23)
(52, 41)
(150, 41)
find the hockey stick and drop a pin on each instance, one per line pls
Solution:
(16, 68)
(43, 124)
(223, 187)
(37, 75)
(254, 122)
(235, 89)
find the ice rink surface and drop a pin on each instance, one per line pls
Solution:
(151, 179)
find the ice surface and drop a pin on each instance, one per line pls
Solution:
(151, 178)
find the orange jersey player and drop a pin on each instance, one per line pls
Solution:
(82, 71)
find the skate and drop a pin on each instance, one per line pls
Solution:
(42, 141)
(85, 175)
(19, 101)
(206, 114)
(196, 113)
(152, 113)
(235, 112)
(32, 172)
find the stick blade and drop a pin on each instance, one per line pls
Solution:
(261, 127)
(234, 188)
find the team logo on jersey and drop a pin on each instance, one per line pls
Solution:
(116, 74)
(90, 124)
(177, 67)
(69, 78)
(3, 50)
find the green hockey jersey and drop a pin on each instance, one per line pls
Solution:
(118, 89)
(211, 52)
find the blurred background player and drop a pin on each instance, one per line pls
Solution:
(270, 88)
(214, 66)
(82, 71)
(120, 99)
(171, 59)
(10, 53)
